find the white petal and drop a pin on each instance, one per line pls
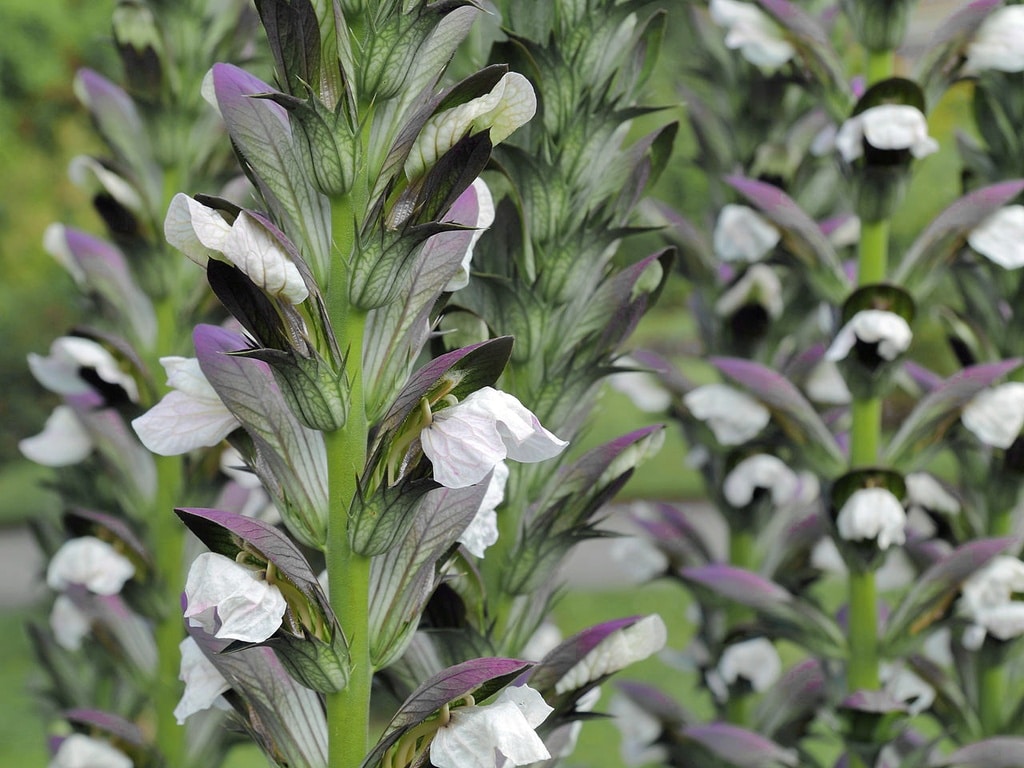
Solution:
(61, 370)
(898, 126)
(849, 139)
(992, 586)
(999, 42)
(524, 436)
(91, 562)
(63, 441)
(81, 751)
(196, 230)
(742, 234)
(616, 651)
(463, 446)
(825, 384)
(509, 105)
(473, 733)
(996, 416)
(758, 285)
(483, 204)
(754, 660)
(732, 415)
(872, 513)
(888, 330)
(926, 492)
(179, 424)
(55, 243)
(642, 388)
(1005, 622)
(639, 732)
(253, 249)
(203, 682)
(760, 471)
(1000, 237)
(69, 625)
(247, 607)
(483, 530)
(92, 176)
(903, 685)
(759, 39)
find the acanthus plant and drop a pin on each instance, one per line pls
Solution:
(381, 452)
(867, 479)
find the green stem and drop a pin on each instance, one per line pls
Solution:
(880, 65)
(865, 431)
(991, 694)
(862, 666)
(741, 555)
(169, 542)
(873, 260)
(348, 573)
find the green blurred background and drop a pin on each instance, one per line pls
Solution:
(41, 128)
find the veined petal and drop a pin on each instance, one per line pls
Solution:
(616, 651)
(256, 252)
(462, 446)
(203, 682)
(190, 416)
(1000, 237)
(63, 441)
(474, 208)
(524, 436)
(482, 532)
(472, 734)
(196, 230)
(996, 416)
(91, 562)
(91, 175)
(230, 601)
(510, 104)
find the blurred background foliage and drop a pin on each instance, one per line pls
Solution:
(42, 127)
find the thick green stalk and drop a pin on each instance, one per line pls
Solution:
(880, 65)
(741, 555)
(865, 438)
(865, 431)
(348, 573)
(168, 543)
(991, 669)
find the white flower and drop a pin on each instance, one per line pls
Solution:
(872, 513)
(509, 105)
(465, 441)
(1000, 237)
(231, 601)
(733, 416)
(63, 441)
(616, 651)
(987, 599)
(760, 471)
(190, 416)
(925, 492)
(92, 176)
(758, 285)
(887, 127)
(204, 684)
(742, 234)
(996, 416)
(81, 751)
(754, 660)
(201, 233)
(639, 731)
(483, 530)
(61, 370)
(474, 208)
(760, 40)
(91, 562)
(825, 384)
(638, 559)
(888, 330)
(643, 388)
(905, 686)
(472, 734)
(69, 625)
(999, 42)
